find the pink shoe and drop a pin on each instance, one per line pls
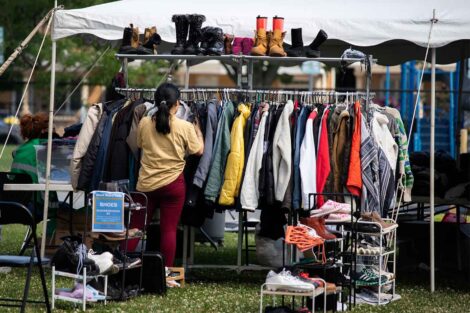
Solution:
(247, 45)
(237, 45)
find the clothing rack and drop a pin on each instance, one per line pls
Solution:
(300, 93)
(239, 61)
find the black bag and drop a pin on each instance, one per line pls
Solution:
(153, 276)
(67, 258)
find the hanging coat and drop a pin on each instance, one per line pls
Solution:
(308, 163)
(282, 152)
(249, 194)
(221, 150)
(83, 141)
(323, 159)
(236, 158)
(354, 182)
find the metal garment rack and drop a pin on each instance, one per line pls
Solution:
(239, 61)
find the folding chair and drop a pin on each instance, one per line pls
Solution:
(15, 213)
(22, 197)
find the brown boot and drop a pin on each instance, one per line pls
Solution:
(261, 43)
(135, 37)
(375, 217)
(318, 224)
(151, 41)
(228, 43)
(275, 44)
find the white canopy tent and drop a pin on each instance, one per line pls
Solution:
(393, 31)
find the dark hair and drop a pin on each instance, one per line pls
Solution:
(32, 126)
(166, 97)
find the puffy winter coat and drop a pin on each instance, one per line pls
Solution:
(236, 158)
(84, 138)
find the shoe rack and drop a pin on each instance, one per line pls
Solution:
(338, 263)
(83, 278)
(379, 256)
(133, 201)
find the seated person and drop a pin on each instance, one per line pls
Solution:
(34, 131)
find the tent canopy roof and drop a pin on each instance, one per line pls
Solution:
(394, 31)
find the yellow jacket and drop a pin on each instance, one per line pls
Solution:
(236, 158)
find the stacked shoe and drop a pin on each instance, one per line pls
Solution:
(121, 260)
(367, 277)
(331, 206)
(303, 237)
(285, 281)
(104, 262)
(338, 218)
(317, 282)
(365, 248)
(319, 225)
(375, 217)
(91, 293)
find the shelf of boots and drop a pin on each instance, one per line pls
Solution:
(235, 58)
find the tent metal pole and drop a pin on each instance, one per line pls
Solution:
(432, 148)
(186, 75)
(49, 141)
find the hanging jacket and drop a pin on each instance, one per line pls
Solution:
(370, 200)
(204, 163)
(249, 195)
(339, 150)
(404, 173)
(221, 150)
(88, 163)
(139, 113)
(323, 159)
(117, 164)
(308, 163)
(384, 139)
(282, 152)
(236, 158)
(354, 182)
(83, 141)
(102, 154)
(268, 183)
(300, 131)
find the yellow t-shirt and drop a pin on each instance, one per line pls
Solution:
(163, 155)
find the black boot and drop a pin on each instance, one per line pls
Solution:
(213, 41)
(181, 25)
(297, 47)
(195, 34)
(313, 50)
(149, 47)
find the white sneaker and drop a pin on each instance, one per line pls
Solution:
(285, 281)
(104, 261)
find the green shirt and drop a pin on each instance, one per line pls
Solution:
(24, 159)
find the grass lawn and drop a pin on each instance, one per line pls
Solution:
(5, 161)
(224, 291)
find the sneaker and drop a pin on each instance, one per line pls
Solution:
(389, 275)
(367, 277)
(120, 258)
(285, 281)
(338, 218)
(104, 262)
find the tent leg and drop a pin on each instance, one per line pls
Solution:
(431, 152)
(49, 145)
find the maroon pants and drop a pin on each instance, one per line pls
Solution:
(170, 199)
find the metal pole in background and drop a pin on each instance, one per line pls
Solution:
(387, 86)
(431, 191)
(49, 141)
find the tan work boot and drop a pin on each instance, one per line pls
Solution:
(275, 44)
(261, 43)
(135, 37)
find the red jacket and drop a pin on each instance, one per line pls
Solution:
(354, 182)
(323, 159)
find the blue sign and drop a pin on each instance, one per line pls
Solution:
(108, 212)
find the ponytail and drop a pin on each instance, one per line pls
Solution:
(166, 96)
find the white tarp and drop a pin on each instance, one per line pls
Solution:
(387, 27)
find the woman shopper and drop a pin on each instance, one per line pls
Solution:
(165, 140)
